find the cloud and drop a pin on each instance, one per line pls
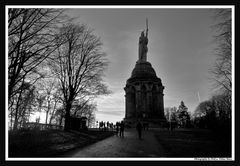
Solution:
(111, 105)
(111, 113)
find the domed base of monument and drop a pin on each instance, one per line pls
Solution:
(144, 96)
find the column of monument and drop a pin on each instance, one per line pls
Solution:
(161, 104)
(130, 102)
(127, 102)
(149, 101)
(138, 101)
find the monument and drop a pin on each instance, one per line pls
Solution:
(144, 90)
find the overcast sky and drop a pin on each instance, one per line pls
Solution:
(180, 50)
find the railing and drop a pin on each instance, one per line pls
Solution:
(41, 126)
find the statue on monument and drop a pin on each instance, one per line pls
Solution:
(143, 41)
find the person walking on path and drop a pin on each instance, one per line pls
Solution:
(117, 128)
(121, 129)
(139, 129)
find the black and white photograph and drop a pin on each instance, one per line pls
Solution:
(125, 83)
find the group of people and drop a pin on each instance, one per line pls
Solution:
(120, 128)
(105, 126)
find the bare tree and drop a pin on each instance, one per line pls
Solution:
(78, 63)
(90, 113)
(23, 105)
(222, 70)
(214, 113)
(49, 89)
(59, 115)
(79, 107)
(30, 42)
(183, 116)
(223, 105)
(57, 101)
(85, 108)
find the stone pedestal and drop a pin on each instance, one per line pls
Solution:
(144, 95)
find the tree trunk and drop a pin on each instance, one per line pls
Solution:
(67, 117)
(50, 120)
(53, 112)
(60, 120)
(15, 126)
(11, 122)
(46, 117)
(15, 120)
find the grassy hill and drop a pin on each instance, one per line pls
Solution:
(50, 143)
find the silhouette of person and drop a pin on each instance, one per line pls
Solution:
(100, 125)
(139, 129)
(117, 128)
(121, 129)
(108, 124)
(104, 126)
